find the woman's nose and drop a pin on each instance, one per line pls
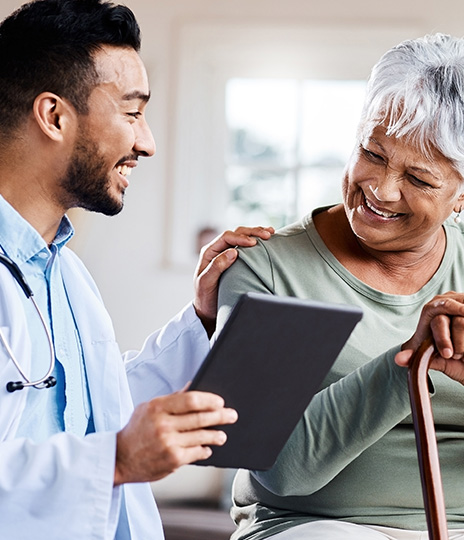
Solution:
(386, 189)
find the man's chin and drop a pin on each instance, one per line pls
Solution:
(109, 207)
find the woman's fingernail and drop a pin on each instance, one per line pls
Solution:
(447, 353)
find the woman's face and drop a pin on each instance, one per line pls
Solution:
(396, 199)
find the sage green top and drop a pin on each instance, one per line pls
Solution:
(352, 457)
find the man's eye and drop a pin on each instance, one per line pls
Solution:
(135, 115)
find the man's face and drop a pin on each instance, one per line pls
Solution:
(112, 136)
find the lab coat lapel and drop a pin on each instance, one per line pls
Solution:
(109, 392)
(14, 326)
(109, 389)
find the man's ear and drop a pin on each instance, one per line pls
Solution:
(53, 115)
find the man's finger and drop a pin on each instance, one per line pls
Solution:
(242, 236)
(217, 266)
(186, 402)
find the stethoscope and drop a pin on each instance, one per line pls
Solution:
(47, 381)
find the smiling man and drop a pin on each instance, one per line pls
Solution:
(74, 454)
(105, 148)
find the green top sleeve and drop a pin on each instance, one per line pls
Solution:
(341, 421)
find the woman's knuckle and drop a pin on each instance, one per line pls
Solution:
(458, 323)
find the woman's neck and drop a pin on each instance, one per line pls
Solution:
(393, 272)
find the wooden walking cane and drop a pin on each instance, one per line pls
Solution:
(426, 441)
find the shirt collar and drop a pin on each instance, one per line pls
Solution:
(20, 241)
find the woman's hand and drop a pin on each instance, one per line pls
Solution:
(215, 258)
(442, 319)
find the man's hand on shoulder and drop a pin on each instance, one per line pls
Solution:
(215, 258)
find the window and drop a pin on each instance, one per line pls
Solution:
(224, 172)
(288, 143)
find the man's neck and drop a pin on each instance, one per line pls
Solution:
(32, 201)
(31, 166)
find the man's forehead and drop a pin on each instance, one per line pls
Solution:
(123, 68)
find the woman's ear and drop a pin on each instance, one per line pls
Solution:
(53, 115)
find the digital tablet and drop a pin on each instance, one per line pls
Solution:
(267, 363)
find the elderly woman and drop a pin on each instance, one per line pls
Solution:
(349, 470)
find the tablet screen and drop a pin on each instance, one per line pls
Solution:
(267, 363)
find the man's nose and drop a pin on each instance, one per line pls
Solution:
(144, 142)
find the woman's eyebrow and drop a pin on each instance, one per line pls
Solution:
(423, 171)
(375, 141)
(412, 168)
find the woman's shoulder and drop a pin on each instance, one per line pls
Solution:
(453, 227)
(454, 236)
(282, 243)
(304, 224)
(296, 228)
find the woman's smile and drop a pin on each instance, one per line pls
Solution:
(380, 212)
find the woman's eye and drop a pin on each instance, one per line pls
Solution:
(372, 155)
(417, 181)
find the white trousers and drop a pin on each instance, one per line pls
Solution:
(341, 530)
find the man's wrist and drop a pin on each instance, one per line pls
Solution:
(209, 324)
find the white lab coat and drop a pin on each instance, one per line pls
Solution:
(62, 489)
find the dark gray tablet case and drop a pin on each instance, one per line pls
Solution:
(267, 363)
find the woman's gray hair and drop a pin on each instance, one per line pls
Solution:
(416, 90)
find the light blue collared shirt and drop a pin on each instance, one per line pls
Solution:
(65, 407)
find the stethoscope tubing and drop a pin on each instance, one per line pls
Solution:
(47, 381)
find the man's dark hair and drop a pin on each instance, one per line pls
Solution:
(48, 45)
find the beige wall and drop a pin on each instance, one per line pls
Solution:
(127, 254)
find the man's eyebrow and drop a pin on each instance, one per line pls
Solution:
(136, 94)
